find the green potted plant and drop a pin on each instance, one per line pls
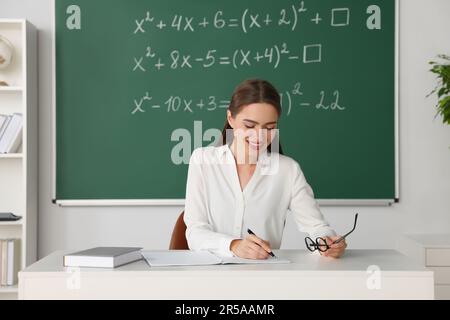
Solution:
(442, 70)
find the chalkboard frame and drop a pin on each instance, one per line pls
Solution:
(180, 202)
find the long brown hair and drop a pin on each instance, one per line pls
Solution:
(248, 92)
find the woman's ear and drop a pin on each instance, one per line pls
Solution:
(230, 119)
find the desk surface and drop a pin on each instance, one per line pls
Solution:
(301, 260)
(319, 277)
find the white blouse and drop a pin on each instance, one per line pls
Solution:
(217, 211)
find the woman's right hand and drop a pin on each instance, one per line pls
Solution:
(251, 247)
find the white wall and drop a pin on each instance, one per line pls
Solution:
(424, 150)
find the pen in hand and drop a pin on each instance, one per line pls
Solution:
(251, 232)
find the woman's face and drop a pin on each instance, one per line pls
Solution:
(254, 125)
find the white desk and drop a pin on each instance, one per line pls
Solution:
(309, 276)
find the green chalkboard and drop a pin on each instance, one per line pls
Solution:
(135, 79)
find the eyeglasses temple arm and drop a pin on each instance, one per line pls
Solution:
(345, 235)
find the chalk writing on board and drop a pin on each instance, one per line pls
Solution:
(290, 100)
(340, 17)
(291, 17)
(237, 59)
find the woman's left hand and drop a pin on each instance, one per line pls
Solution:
(336, 250)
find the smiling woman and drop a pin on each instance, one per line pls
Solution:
(247, 183)
(262, 109)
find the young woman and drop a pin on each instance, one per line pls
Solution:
(245, 184)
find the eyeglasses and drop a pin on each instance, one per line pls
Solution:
(321, 244)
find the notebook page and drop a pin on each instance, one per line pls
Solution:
(180, 258)
(237, 260)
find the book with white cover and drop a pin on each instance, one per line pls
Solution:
(102, 257)
(4, 260)
(16, 140)
(199, 258)
(11, 133)
(3, 118)
(4, 125)
(13, 261)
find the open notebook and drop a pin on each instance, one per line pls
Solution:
(198, 258)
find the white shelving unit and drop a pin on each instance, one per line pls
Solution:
(433, 252)
(18, 171)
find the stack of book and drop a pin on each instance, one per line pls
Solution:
(9, 261)
(10, 132)
(103, 257)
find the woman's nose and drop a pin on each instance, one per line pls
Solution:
(262, 134)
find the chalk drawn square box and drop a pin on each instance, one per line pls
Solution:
(340, 17)
(312, 53)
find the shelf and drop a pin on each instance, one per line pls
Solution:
(11, 155)
(19, 170)
(9, 289)
(11, 223)
(14, 21)
(11, 89)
